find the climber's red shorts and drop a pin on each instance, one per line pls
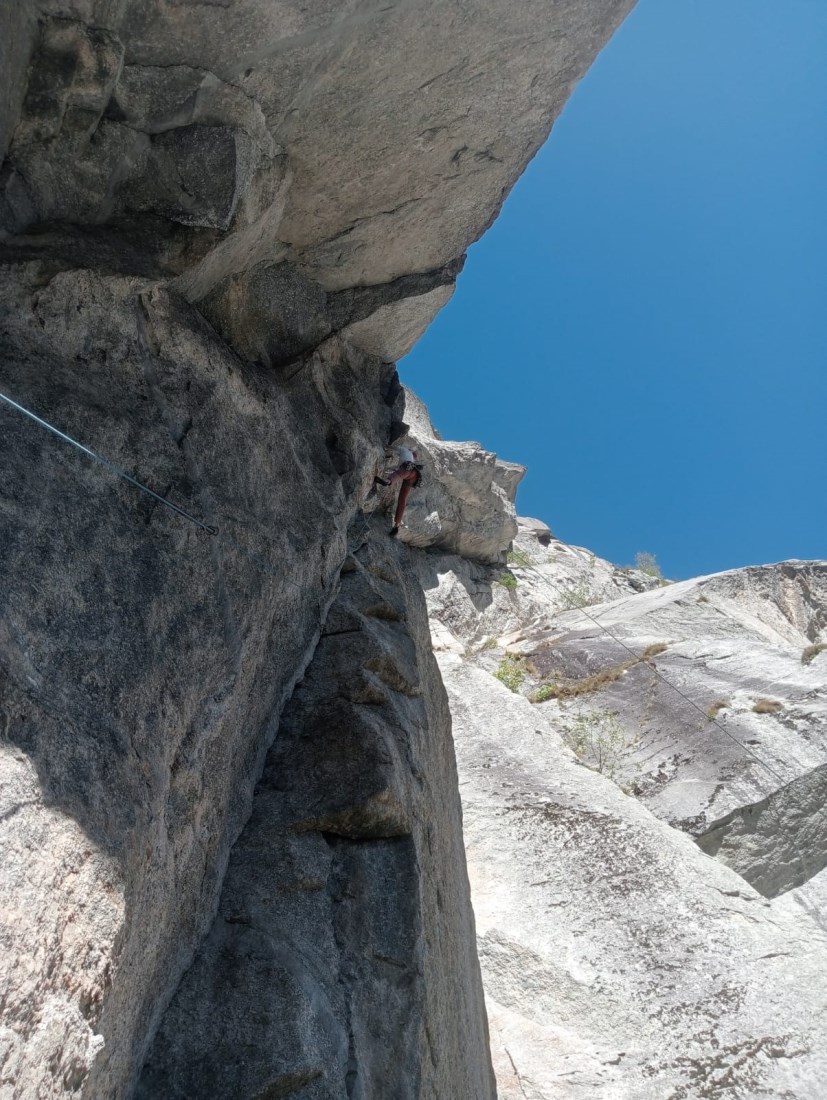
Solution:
(409, 477)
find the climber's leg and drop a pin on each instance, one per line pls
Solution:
(404, 489)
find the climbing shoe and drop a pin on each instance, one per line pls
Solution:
(380, 481)
(394, 531)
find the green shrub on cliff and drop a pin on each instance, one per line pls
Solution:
(511, 672)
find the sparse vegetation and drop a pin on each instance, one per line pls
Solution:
(585, 686)
(812, 651)
(577, 595)
(596, 680)
(648, 564)
(716, 707)
(767, 706)
(703, 599)
(519, 558)
(489, 643)
(599, 741)
(507, 580)
(511, 672)
(544, 692)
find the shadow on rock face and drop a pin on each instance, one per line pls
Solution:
(144, 662)
(778, 843)
(475, 579)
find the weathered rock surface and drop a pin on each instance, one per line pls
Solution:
(219, 222)
(341, 962)
(364, 145)
(752, 715)
(619, 960)
(779, 842)
(473, 604)
(465, 501)
(144, 662)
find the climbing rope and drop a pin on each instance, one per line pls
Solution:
(656, 671)
(226, 540)
(105, 462)
(265, 566)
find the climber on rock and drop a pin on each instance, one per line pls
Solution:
(409, 472)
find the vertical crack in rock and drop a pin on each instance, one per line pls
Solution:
(342, 927)
(144, 666)
(310, 179)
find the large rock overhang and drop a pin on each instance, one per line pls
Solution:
(296, 168)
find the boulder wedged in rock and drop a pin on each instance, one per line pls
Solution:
(144, 661)
(341, 960)
(360, 144)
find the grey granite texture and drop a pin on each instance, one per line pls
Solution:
(144, 661)
(220, 222)
(342, 957)
(682, 721)
(362, 143)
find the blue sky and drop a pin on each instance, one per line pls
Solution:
(645, 326)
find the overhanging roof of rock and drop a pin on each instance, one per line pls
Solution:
(360, 142)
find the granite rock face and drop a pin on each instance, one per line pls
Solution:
(473, 604)
(362, 144)
(465, 501)
(619, 962)
(341, 962)
(145, 661)
(680, 721)
(742, 715)
(219, 224)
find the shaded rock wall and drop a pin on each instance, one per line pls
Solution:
(145, 662)
(342, 955)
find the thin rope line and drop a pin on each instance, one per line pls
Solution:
(265, 566)
(226, 540)
(108, 464)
